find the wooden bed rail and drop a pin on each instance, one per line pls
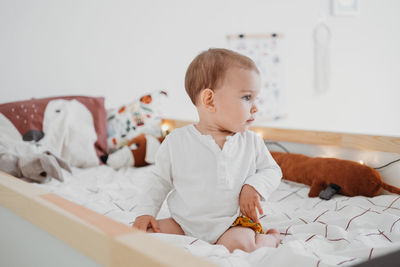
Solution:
(345, 140)
(106, 241)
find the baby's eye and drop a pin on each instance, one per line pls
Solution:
(247, 97)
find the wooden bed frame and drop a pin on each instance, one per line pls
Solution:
(110, 243)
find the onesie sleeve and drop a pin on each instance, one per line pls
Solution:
(268, 173)
(158, 184)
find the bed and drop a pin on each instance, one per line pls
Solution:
(86, 220)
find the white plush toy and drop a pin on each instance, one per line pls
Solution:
(140, 151)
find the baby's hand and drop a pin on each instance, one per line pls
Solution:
(249, 200)
(145, 222)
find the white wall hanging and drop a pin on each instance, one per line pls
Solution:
(322, 38)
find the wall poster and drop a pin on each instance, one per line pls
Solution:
(266, 51)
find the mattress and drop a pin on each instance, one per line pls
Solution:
(342, 231)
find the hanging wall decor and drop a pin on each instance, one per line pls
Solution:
(322, 38)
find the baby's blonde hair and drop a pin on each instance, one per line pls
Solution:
(208, 69)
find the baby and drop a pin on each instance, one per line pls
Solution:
(216, 171)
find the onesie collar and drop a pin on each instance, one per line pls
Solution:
(209, 140)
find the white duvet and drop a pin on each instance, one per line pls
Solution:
(340, 232)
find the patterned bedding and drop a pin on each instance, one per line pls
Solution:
(342, 231)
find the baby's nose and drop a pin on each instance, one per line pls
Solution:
(253, 109)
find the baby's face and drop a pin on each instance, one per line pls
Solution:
(235, 99)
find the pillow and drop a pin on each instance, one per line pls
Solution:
(27, 116)
(142, 116)
(353, 178)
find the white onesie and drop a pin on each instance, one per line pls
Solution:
(205, 181)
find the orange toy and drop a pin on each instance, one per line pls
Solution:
(140, 151)
(247, 222)
(353, 178)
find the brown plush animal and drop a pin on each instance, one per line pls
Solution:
(140, 151)
(353, 178)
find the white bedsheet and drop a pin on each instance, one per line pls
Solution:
(340, 232)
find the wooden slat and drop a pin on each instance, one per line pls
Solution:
(298, 136)
(107, 225)
(345, 140)
(369, 142)
(145, 251)
(354, 141)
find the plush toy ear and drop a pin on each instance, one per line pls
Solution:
(50, 167)
(60, 162)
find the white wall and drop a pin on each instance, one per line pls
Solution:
(121, 49)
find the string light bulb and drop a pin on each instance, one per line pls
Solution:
(165, 128)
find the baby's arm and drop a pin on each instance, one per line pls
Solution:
(261, 184)
(249, 201)
(158, 185)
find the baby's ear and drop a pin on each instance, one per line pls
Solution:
(207, 99)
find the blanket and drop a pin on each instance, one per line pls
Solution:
(342, 231)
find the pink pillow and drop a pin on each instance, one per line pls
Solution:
(28, 115)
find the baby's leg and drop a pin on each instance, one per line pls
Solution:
(246, 239)
(168, 226)
(271, 238)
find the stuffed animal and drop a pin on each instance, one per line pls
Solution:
(140, 151)
(352, 177)
(72, 127)
(38, 167)
(28, 160)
